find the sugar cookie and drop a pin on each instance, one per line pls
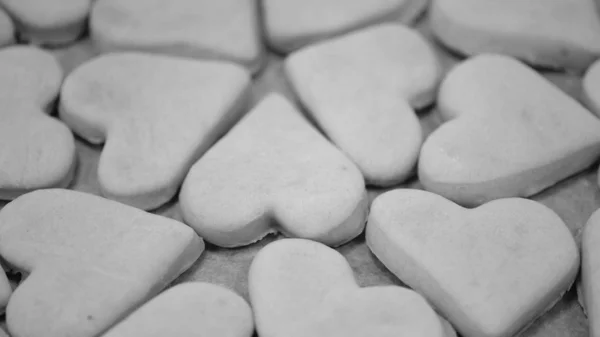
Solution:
(274, 172)
(222, 29)
(303, 288)
(548, 33)
(7, 29)
(490, 270)
(49, 22)
(91, 260)
(36, 150)
(361, 89)
(158, 114)
(512, 133)
(591, 88)
(291, 24)
(189, 310)
(5, 292)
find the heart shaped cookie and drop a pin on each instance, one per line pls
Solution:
(511, 133)
(49, 22)
(490, 270)
(548, 33)
(158, 115)
(36, 150)
(223, 29)
(361, 89)
(591, 88)
(189, 310)
(7, 29)
(91, 261)
(274, 172)
(303, 288)
(291, 24)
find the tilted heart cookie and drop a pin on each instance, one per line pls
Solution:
(158, 114)
(303, 288)
(7, 29)
(591, 88)
(512, 133)
(274, 172)
(91, 261)
(36, 150)
(189, 310)
(223, 29)
(548, 33)
(490, 271)
(291, 24)
(361, 89)
(49, 22)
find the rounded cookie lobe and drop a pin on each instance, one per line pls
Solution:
(189, 310)
(304, 288)
(590, 268)
(98, 258)
(203, 29)
(158, 114)
(49, 22)
(490, 270)
(273, 172)
(510, 133)
(547, 33)
(36, 151)
(591, 88)
(361, 90)
(292, 24)
(7, 29)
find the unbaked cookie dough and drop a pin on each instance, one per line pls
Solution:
(204, 29)
(362, 89)
(490, 270)
(547, 33)
(158, 115)
(274, 172)
(89, 261)
(302, 288)
(510, 133)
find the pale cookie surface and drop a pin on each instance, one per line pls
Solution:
(512, 133)
(158, 115)
(548, 33)
(292, 24)
(205, 29)
(36, 150)
(361, 89)
(303, 288)
(189, 310)
(7, 29)
(590, 272)
(5, 292)
(49, 22)
(90, 261)
(591, 88)
(490, 270)
(274, 172)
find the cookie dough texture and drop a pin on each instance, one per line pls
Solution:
(490, 270)
(189, 310)
(590, 273)
(156, 115)
(202, 29)
(362, 89)
(591, 88)
(292, 24)
(36, 150)
(561, 34)
(509, 133)
(7, 29)
(49, 22)
(274, 172)
(303, 288)
(90, 261)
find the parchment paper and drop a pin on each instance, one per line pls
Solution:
(574, 199)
